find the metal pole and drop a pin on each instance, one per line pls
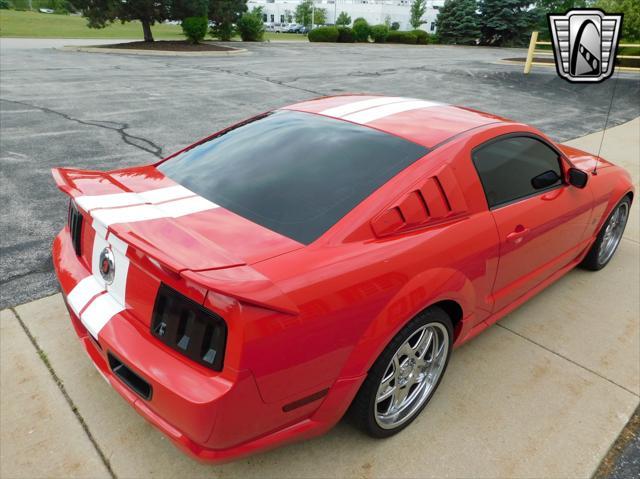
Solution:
(532, 47)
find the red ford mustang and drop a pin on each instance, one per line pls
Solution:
(248, 290)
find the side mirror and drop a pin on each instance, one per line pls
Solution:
(578, 178)
(544, 180)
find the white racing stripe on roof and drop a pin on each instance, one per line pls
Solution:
(172, 209)
(92, 202)
(340, 111)
(372, 114)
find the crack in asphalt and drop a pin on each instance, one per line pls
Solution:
(253, 76)
(120, 128)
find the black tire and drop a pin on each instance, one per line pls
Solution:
(363, 406)
(592, 260)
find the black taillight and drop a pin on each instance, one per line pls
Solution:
(75, 227)
(189, 328)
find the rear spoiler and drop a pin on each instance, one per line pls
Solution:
(232, 277)
(67, 180)
(245, 284)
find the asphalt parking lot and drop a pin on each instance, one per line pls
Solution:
(544, 394)
(98, 111)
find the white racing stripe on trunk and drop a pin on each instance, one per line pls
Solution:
(372, 114)
(165, 194)
(118, 288)
(186, 206)
(82, 293)
(99, 312)
(127, 214)
(340, 111)
(172, 209)
(92, 202)
(89, 203)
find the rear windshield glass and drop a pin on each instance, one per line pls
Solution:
(294, 173)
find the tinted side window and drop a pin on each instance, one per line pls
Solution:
(507, 166)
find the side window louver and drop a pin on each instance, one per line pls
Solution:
(437, 198)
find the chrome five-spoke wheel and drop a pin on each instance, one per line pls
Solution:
(613, 232)
(609, 237)
(405, 375)
(412, 374)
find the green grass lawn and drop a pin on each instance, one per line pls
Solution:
(41, 25)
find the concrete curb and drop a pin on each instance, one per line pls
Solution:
(132, 51)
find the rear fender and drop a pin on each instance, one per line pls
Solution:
(427, 288)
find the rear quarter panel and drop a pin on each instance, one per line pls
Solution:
(355, 291)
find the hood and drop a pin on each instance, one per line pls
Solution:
(167, 221)
(583, 160)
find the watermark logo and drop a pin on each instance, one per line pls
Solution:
(585, 42)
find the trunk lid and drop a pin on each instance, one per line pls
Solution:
(167, 222)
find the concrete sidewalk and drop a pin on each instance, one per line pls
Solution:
(542, 394)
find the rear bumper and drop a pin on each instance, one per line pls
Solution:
(211, 416)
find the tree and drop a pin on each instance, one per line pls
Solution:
(343, 19)
(306, 15)
(458, 22)
(100, 13)
(320, 16)
(224, 14)
(418, 9)
(288, 16)
(543, 7)
(506, 22)
(181, 9)
(631, 21)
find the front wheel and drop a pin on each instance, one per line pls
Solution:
(405, 376)
(608, 238)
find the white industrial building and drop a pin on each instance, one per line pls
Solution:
(374, 11)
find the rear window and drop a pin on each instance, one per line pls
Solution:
(294, 173)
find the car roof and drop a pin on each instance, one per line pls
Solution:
(427, 123)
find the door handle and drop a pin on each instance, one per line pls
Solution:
(518, 234)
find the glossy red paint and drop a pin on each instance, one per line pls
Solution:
(303, 319)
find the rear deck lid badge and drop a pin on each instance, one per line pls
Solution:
(107, 265)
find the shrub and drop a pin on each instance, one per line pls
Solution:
(361, 30)
(402, 37)
(379, 33)
(250, 27)
(195, 28)
(5, 4)
(223, 31)
(324, 34)
(395, 26)
(345, 35)
(422, 36)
